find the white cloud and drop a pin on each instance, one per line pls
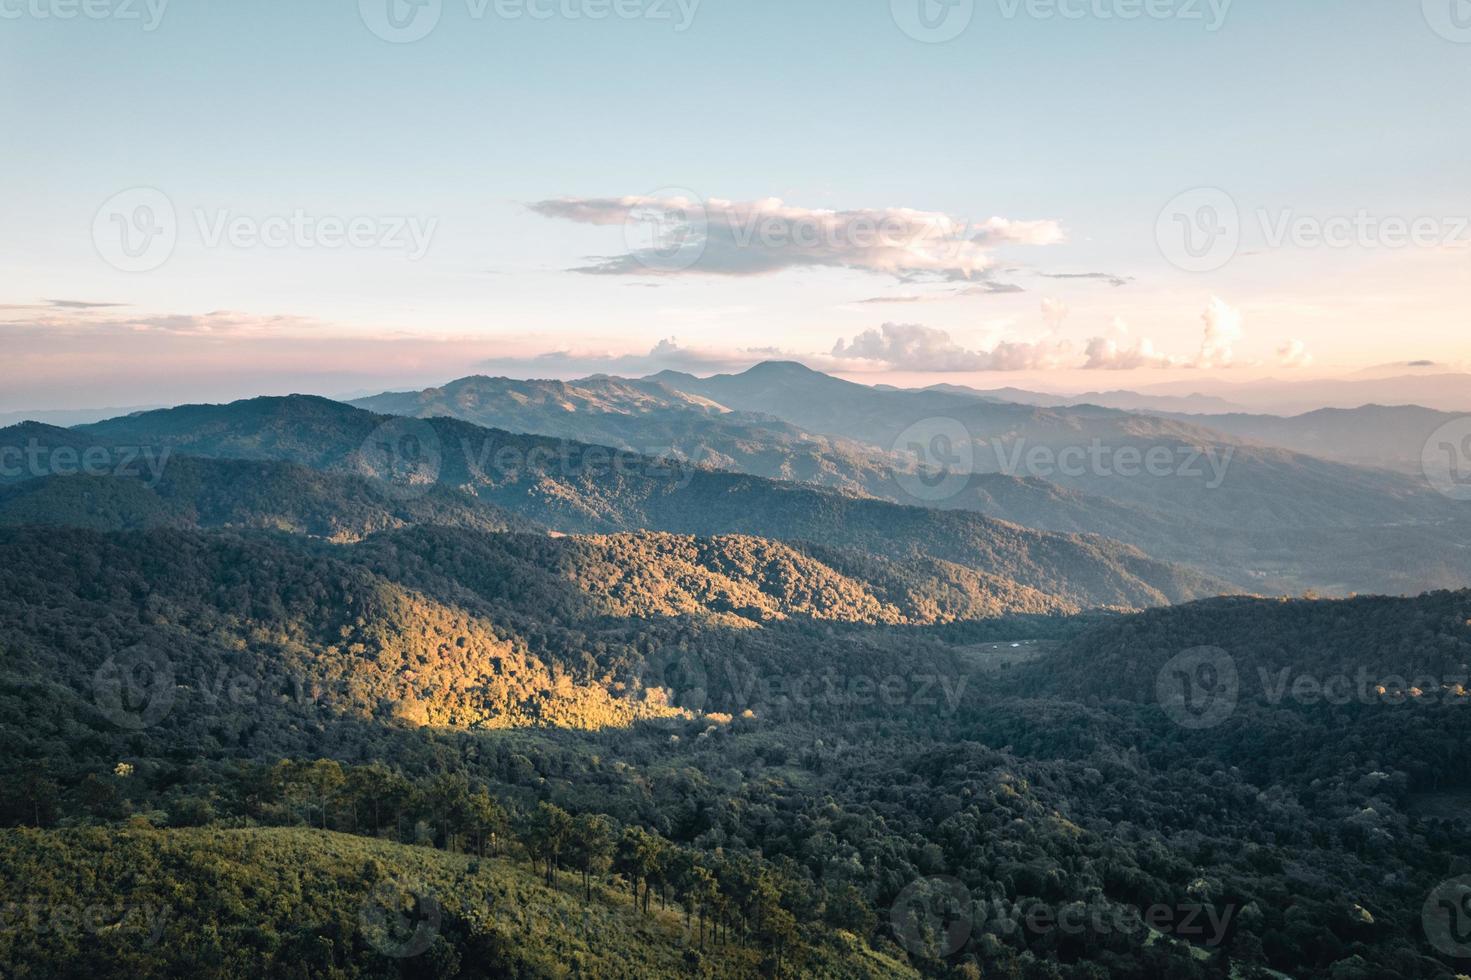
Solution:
(1055, 312)
(719, 237)
(1115, 353)
(1294, 354)
(914, 347)
(1223, 332)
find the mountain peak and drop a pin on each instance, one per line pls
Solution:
(782, 368)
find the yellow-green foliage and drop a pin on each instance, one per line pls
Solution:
(300, 903)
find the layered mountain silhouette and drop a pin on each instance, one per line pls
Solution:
(476, 477)
(1232, 503)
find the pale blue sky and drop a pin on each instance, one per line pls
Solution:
(265, 108)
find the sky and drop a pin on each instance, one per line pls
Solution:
(205, 201)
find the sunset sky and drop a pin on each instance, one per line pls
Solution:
(496, 173)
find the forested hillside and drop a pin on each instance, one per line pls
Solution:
(573, 487)
(739, 761)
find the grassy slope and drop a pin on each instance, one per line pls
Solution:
(294, 902)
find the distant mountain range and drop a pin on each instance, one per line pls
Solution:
(1392, 437)
(1279, 520)
(1430, 386)
(1128, 401)
(481, 476)
(1244, 511)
